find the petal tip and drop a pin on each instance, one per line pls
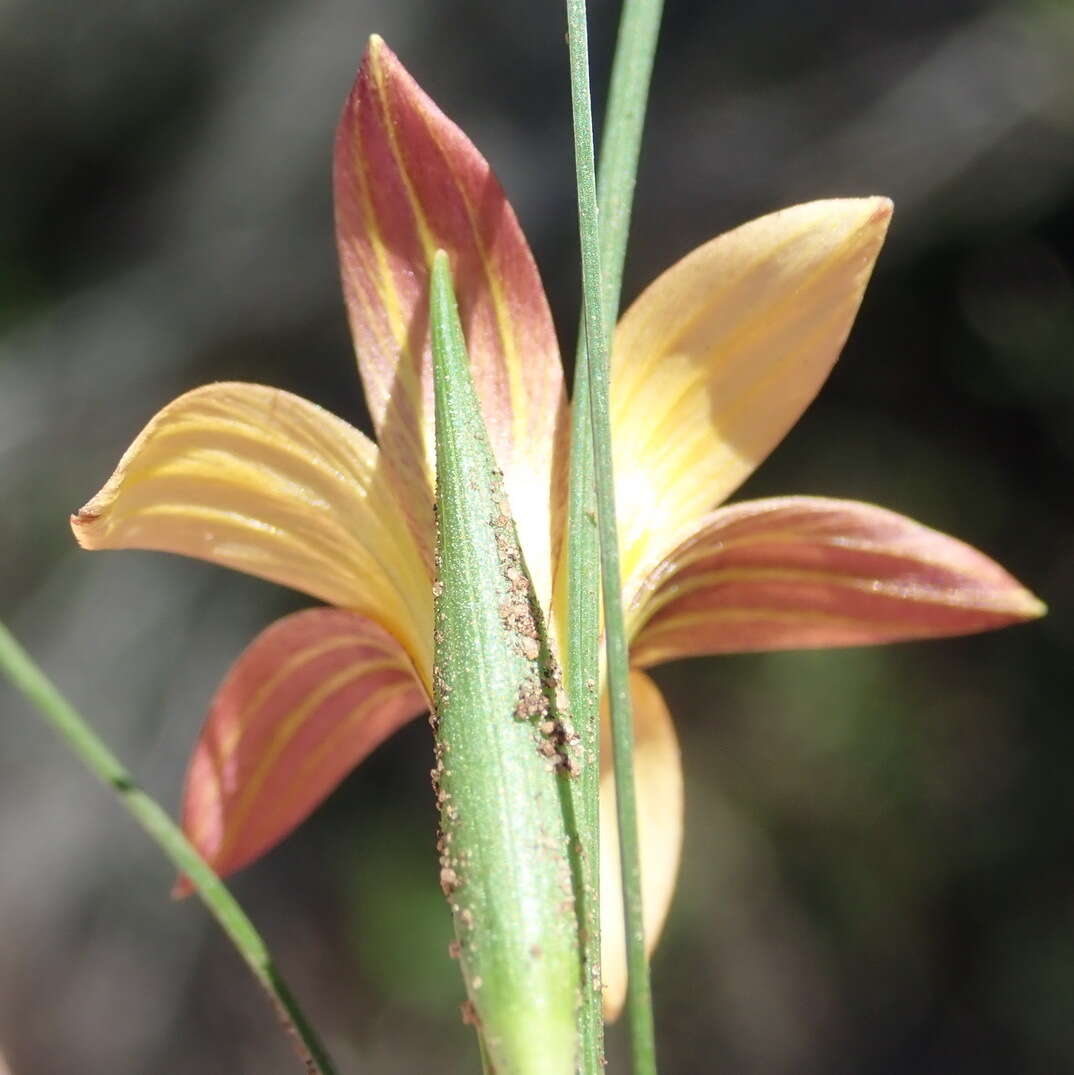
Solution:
(875, 212)
(883, 207)
(1027, 606)
(870, 213)
(378, 53)
(376, 56)
(182, 888)
(83, 522)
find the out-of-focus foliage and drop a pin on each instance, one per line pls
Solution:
(878, 874)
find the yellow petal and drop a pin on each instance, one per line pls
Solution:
(715, 362)
(268, 483)
(658, 778)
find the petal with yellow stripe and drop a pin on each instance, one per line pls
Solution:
(802, 572)
(717, 359)
(268, 483)
(309, 698)
(407, 182)
(658, 779)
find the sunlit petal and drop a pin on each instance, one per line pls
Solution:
(408, 181)
(802, 572)
(658, 778)
(310, 697)
(265, 482)
(720, 355)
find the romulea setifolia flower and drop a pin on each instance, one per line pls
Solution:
(711, 366)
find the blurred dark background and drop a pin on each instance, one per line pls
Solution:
(878, 874)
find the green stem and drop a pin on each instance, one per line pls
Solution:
(596, 299)
(20, 668)
(620, 148)
(620, 145)
(581, 678)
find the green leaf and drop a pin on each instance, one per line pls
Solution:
(506, 750)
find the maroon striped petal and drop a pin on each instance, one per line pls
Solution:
(806, 572)
(309, 698)
(407, 182)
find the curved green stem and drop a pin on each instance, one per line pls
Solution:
(20, 668)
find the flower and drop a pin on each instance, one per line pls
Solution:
(710, 368)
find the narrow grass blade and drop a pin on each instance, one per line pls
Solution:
(620, 148)
(639, 996)
(20, 668)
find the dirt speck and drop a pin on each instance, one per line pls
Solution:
(449, 880)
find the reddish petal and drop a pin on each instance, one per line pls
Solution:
(408, 181)
(309, 698)
(805, 572)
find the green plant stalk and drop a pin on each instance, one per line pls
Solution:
(620, 144)
(643, 1049)
(582, 679)
(632, 66)
(20, 668)
(505, 750)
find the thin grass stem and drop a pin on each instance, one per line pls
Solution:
(598, 306)
(87, 746)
